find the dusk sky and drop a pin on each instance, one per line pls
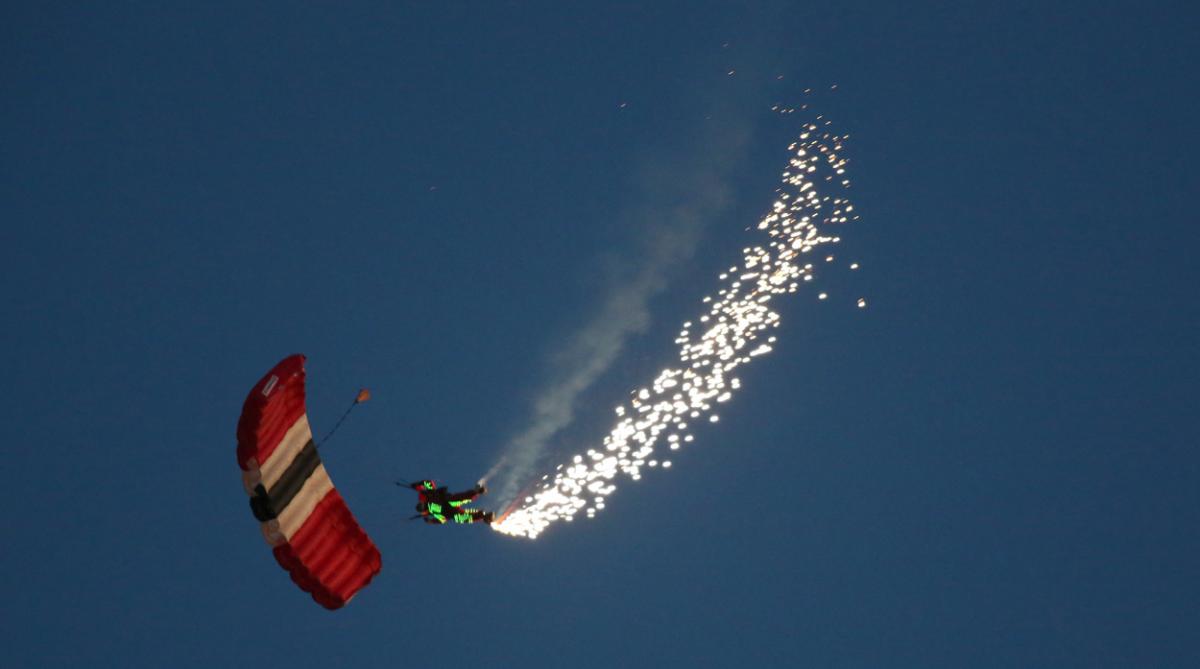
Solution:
(992, 464)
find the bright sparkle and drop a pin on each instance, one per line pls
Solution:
(734, 330)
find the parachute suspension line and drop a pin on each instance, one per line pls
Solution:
(363, 396)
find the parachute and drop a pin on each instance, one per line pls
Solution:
(313, 534)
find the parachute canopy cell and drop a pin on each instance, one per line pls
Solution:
(311, 530)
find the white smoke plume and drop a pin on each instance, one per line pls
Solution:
(681, 196)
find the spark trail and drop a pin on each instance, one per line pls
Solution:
(734, 331)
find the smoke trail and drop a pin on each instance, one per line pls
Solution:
(681, 195)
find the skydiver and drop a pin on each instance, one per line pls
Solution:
(438, 506)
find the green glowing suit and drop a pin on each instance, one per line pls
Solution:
(438, 506)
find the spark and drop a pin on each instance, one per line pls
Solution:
(735, 328)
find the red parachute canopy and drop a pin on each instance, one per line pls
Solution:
(303, 517)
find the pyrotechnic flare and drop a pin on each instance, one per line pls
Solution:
(733, 331)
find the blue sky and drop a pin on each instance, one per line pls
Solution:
(992, 465)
